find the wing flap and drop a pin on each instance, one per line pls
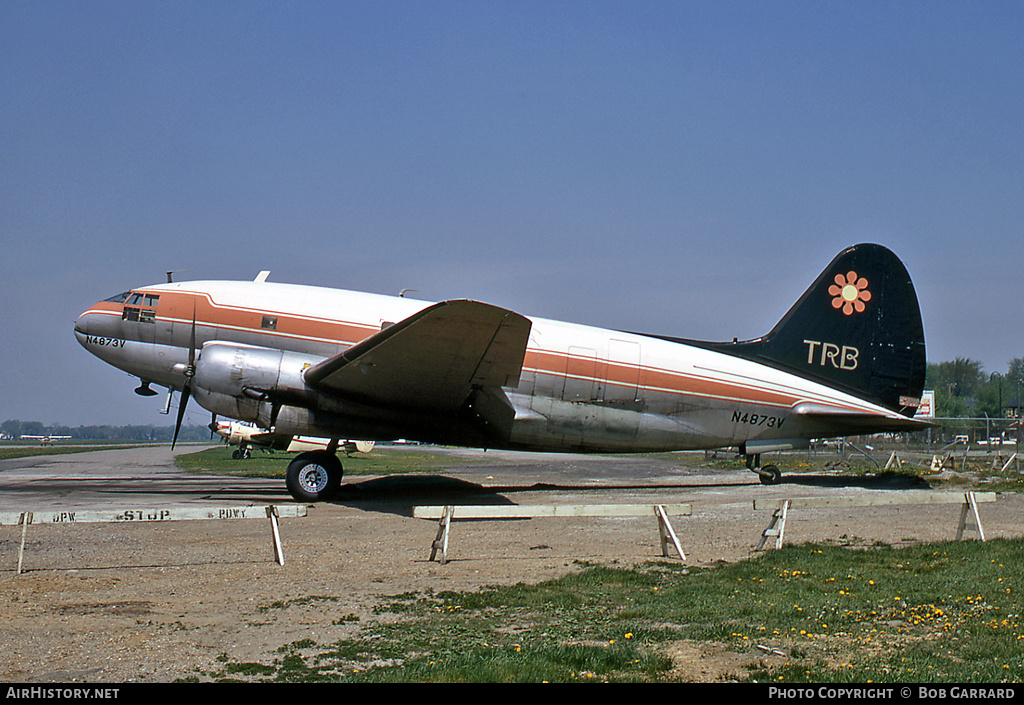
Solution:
(432, 360)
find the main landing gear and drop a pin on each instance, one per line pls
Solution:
(314, 476)
(769, 474)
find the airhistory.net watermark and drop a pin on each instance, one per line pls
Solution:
(56, 693)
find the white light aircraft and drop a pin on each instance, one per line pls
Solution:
(847, 359)
(45, 439)
(248, 435)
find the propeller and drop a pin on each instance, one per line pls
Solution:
(275, 407)
(190, 371)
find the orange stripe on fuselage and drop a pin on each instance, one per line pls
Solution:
(652, 379)
(179, 308)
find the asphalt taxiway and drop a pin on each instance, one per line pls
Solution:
(148, 476)
(145, 478)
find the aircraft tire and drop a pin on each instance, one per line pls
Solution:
(314, 476)
(770, 475)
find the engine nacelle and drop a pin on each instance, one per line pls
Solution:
(247, 371)
(267, 387)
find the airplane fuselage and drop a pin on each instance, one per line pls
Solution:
(581, 388)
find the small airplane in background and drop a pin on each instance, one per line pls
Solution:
(44, 440)
(847, 359)
(247, 436)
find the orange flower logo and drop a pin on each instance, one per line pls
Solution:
(849, 293)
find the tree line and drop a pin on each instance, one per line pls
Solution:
(15, 429)
(964, 390)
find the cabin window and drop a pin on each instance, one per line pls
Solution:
(269, 323)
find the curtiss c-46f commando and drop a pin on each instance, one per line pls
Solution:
(847, 359)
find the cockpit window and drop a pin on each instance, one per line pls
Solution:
(139, 307)
(120, 298)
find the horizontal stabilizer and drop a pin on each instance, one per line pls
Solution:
(860, 421)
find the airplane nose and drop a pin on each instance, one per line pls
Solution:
(82, 324)
(96, 322)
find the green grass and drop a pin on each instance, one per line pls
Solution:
(929, 613)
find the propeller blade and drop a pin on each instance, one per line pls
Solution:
(186, 387)
(186, 392)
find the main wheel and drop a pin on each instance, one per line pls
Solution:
(314, 476)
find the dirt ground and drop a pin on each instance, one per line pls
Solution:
(160, 601)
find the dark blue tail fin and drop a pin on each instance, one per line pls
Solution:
(858, 328)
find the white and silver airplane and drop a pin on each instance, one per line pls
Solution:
(247, 435)
(44, 440)
(847, 359)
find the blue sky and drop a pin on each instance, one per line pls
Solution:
(683, 168)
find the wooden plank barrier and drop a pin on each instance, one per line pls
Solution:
(447, 513)
(782, 507)
(171, 513)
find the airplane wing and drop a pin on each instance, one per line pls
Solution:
(433, 360)
(276, 441)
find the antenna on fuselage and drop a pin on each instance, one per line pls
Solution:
(262, 276)
(402, 292)
(170, 274)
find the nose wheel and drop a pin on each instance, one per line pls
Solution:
(314, 476)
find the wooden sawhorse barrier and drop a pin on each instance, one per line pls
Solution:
(777, 527)
(446, 513)
(170, 513)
